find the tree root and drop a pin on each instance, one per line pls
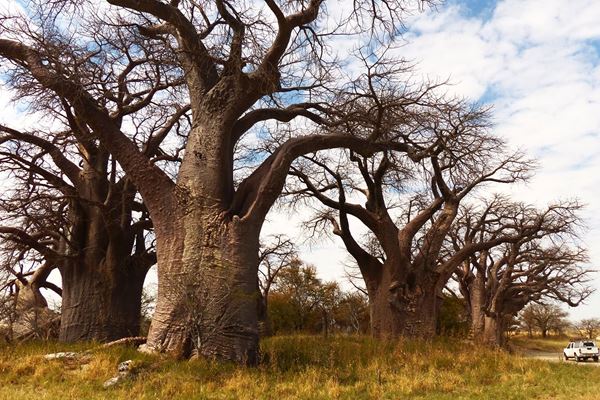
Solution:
(128, 341)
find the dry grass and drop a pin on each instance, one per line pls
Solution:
(302, 367)
(551, 344)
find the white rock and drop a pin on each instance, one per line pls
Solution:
(125, 371)
(112, 381)
(62, 355)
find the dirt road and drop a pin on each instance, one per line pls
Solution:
(558, 357)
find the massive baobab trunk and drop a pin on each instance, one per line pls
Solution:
(400, 310)
(207, 254)
(477, 299)
(208, 297)
(106, 259)
(399, 304)
(101, 299)
(494, 331)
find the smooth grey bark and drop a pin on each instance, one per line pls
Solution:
(477, 299)
(494, 331)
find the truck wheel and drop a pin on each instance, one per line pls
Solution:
(566, 358)
(577, 358)
(596, 359)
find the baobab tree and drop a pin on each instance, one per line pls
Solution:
(544, 317)
(545, 263)
(403, 271)
(588, 327)
(72, 210)
(71, 203)
(242, 65)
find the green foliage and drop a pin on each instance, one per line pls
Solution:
(452, 319)
(284, 313)
(301, 302)
(301, 367)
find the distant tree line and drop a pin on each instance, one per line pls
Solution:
(549, 318)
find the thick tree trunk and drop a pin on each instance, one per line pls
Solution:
(101, 301)
(207, 254)
(103, 281)
(477, 312)
(403, 310)
(264, 322)
(208, 294)
(493, 332)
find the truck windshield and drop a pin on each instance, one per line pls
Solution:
(588, 344)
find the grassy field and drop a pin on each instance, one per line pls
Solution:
(301, 367)
(552, 344)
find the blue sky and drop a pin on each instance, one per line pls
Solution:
(474, 8)
(538, 63)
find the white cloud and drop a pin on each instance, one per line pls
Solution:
(11, 7)
(536, 61)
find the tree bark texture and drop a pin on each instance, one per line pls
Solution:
(208, 294)
(101, 300)
(406, 307)
(477, 298)
(107, 262)
(493, 332)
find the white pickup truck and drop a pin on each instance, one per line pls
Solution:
(581, 350)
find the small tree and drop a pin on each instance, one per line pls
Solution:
(300, 301)
(545, 318)
(279, 253)
(352, 313)
(301, 287)
(527, 319)
(588, 328)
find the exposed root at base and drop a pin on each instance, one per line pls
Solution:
(128, 341)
